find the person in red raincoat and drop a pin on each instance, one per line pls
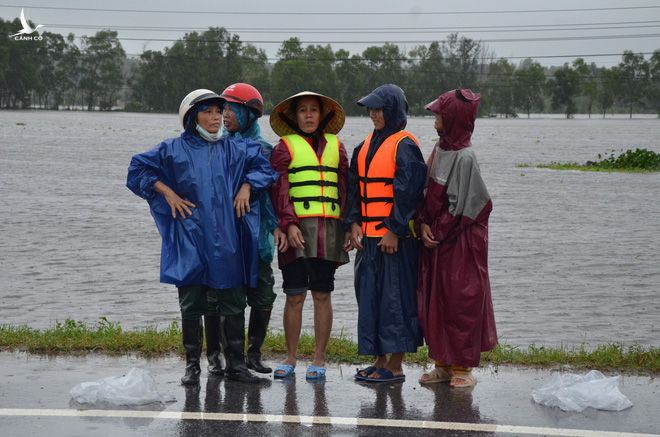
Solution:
(453, 295)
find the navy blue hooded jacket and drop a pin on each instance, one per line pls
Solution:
(410, 174)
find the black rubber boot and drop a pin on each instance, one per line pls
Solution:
(233, 343)
(192, 334)
(213, 349)
(256, 335)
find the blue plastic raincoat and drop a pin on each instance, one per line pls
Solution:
(385, 284)
(212, 247)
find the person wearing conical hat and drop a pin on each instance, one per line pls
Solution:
(309, 198)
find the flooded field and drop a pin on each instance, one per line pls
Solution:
(574, 256)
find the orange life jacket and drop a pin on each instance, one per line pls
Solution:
(377, 182)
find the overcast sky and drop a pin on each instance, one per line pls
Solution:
(353, 20)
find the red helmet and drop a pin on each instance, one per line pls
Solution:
(245, 94)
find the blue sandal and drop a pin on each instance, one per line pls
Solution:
(361, 374)
(285, 369)
(386, 376)
(315, 372)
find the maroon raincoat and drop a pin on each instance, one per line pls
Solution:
(453, 296)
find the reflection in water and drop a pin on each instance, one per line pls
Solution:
(191, 405)
(377, 409)
(453, 404)
(243, 398)
(320, 408)
(223, 396)
(212, 399)
(387, 403)
(290, 408)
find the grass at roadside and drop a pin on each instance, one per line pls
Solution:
(109, 338)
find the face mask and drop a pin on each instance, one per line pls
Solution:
(207, 135)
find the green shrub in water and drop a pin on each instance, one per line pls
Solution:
(640, 159)
(634, 161)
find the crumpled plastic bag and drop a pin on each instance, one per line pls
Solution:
(572, 392)
(137, 387)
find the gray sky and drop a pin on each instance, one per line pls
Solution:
(409, 15)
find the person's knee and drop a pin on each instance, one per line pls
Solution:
(295, 302)
(321, 298)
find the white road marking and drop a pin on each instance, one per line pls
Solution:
(320, 420)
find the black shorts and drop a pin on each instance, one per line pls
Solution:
(304, 274)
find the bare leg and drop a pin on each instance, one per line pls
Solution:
(393, 364)
(292, 325)
(322, 325)
(381, 361)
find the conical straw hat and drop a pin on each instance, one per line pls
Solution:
(285, 107)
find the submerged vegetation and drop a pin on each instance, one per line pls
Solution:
(108, 337)
(630, 161)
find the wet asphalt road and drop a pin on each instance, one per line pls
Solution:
(36, 386)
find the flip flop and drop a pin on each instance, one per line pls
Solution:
(438, 374)
(385, 376)
(360, 374)
(314, 372)
(285, 369)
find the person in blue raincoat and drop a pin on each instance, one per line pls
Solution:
(244, 105)
(385, 185)
(198, 187)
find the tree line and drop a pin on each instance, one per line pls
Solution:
(55, 72)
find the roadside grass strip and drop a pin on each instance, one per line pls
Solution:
(74, 337)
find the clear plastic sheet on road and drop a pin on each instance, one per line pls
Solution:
(137, 387)
(572, 392)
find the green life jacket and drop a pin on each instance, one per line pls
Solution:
(313, 183)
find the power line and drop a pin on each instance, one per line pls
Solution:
(356, 29)
(361, 59)
(503, 29)
(155, 11)
(495, 40)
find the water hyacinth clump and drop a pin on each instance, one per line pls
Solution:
(632, 161)
(641, 159)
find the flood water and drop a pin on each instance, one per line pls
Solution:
(574, 256)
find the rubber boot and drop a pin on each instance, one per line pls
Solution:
(213, 355)
(192, 334)
(233, 343)
(256, 335)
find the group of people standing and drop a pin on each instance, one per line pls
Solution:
(223, 199)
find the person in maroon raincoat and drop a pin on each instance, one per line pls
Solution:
(453, 296)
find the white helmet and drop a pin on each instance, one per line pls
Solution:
(194, 98)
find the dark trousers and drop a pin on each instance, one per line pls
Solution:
(196, 301)
(262, 296)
